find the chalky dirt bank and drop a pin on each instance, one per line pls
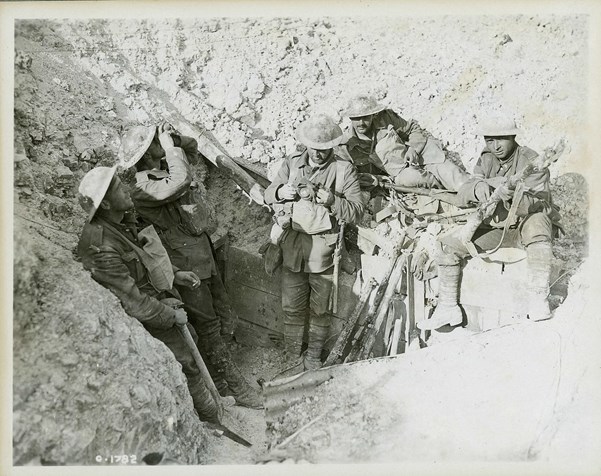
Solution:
(89, 381)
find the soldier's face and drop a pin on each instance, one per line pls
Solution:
(362, 124)
(118, 197)
(500, 146)
(319, 156)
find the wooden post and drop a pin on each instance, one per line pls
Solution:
(210, 148)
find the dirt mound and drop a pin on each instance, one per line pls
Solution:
(89, 381)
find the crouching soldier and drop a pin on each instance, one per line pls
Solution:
(136, 268)
(524, 218)
(315, 190)
(382, 141)
(164, 196)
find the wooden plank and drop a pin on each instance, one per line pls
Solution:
(256, 297)
(248, 333)
(247, 268)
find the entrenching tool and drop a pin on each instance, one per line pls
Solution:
(206, 376)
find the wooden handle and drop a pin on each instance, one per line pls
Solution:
(206, 376)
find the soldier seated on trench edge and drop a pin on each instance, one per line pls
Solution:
(525, 218)
(380, 140)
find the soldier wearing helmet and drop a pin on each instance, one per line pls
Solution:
(382, 141)
(165, 196)
(525, 219)
(135, 267)
(314, 189)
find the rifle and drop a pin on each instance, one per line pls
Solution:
(348, 326)
(336, 275)
(486, 210)
(438, 194)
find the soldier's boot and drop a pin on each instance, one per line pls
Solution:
(293, 342)
(319, 328)
(447, 311)
(539, 257)
(204, 404)
(221, 359)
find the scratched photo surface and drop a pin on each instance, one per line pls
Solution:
(366, 317)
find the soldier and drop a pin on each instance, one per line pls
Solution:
(135, 268)
(525, 218)
(313, 191)
(164, 196)
(381, 140)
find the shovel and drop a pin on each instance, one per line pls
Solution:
(206, 376)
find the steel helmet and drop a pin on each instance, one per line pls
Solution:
(319, 132)
(134, 143)
(362, 105)
(93, 188)
(496, 127)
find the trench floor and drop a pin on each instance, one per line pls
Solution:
(255, 363)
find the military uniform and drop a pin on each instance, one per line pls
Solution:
(308, 258)
(163, 198)
(535, 214)
(526, 220)
(106, 250)
(433, 171)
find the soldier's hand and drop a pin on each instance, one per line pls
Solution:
(166, 127)
(166, 140)
(286, 192)
(482, 191)
(496, 182)
(504, 193)
(324, 197)
(412, 157)
(186, 278)
(181, 318)
(367, 180)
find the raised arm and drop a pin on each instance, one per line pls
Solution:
(155, 191)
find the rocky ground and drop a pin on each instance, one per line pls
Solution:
(85, 373)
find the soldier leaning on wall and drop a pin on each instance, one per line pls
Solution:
(165, 196)
(135, 267)
(382, 141)
(526, 219)
(313, 190)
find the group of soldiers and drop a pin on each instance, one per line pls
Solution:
(160, 261)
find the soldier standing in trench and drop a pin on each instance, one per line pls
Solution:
(117, 257)
(313, 191)
(525, 218)
(163, 197)
(382, 141)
